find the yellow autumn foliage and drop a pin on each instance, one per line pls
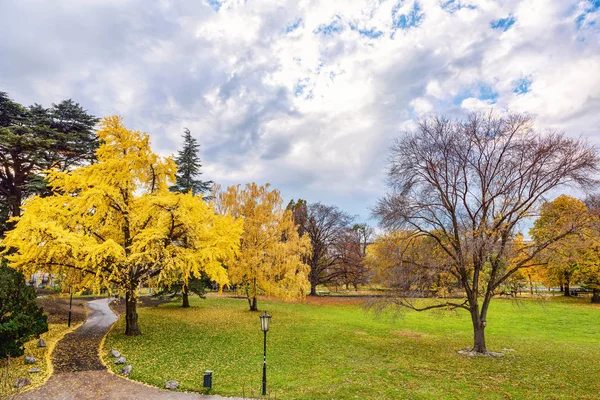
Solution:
(270, 260)
(563, 259)
(115, 223)
(409, 263)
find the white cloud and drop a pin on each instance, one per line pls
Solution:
(308, 94)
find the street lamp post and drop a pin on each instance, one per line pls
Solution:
(264, 325)
(70, 306)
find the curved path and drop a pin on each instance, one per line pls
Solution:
(80, 374)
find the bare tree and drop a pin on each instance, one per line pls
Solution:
(324, 225)
(467, 185)
(351, 247)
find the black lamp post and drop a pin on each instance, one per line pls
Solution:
(70, 306)
(264, 325)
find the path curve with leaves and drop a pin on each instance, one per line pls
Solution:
(80, 374)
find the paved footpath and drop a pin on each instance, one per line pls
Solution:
(79, 373)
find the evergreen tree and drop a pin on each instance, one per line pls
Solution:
(20, 316)
(188, 170)
(34, 139)
(188, 167)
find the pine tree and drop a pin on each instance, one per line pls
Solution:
(188, 170)
(188, 167)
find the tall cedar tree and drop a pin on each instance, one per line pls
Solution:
(188, 171)
(34, 139)
(116, 225)
(468, 185)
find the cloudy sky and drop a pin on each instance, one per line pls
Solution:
(306, 95)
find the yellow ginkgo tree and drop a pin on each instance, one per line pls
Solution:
(115, 224)
(270, 260)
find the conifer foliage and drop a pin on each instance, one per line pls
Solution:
(33, 139)
(188, 167)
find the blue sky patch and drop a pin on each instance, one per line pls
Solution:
(481, 91)
(405, 21)
(486, 92)
(522, 86)
(582, 19)
(215, 4)
(293, 25)
(300, 86)
(334, 26)
(503, 23)
(372, 33)
(454, 5)
(299, 89)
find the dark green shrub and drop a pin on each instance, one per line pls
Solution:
(20, 317)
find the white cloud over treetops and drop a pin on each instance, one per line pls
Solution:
(305, 94)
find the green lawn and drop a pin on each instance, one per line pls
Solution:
(341, 351)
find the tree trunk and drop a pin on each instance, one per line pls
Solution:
(313, 290)
(478, 330)
(479, 339)
(14, 207)
(567, 290)
(595, 295)
(131, 317)
(252, 303)
(185, 294)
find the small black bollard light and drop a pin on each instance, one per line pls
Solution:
(208, 379)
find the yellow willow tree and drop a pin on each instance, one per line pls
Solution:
(116, 224)
(271, 251)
